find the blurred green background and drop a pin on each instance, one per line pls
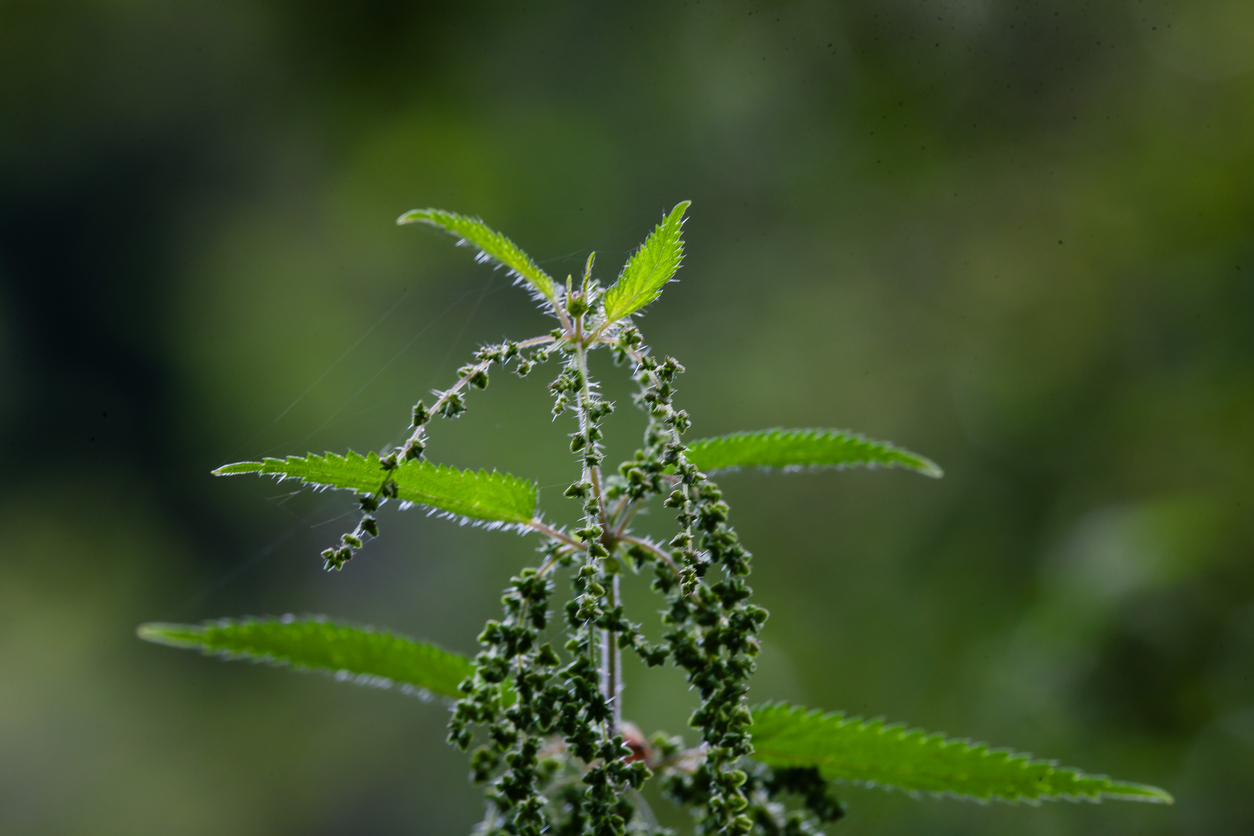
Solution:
(1015, 237)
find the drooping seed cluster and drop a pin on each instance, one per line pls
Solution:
(711, 628)
(542, 697)
(588, 705)
(771, 818)
(501, 695)
(554, 751)
(448, 404)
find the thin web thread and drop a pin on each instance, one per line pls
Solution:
(305, 523)
(332, 418)
(321, 377)
(237, 571)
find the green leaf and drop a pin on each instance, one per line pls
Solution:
(798, 449)
(875, 754)
(495, 497)
(492, 246)
(357, 654)
(649, 268)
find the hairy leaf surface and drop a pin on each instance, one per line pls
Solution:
(496, 497)
(649, 268)
(872, 753)
(492, 246)
(797, 449)
(359, 654)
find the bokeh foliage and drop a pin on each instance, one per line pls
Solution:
(1015, 237)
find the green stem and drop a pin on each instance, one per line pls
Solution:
(549, 531)
(592, 472)
(611, 656)
(461, 384)
(612, 665)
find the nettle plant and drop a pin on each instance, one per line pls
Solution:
(545, 723)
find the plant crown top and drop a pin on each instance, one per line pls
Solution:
(553, 748)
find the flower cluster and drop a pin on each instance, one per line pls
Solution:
(711, 626)
(555, 751)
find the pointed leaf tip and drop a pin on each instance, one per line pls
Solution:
(238, 467)
(649, 268)
(491, 244)
(172, 635)
(1145, 793)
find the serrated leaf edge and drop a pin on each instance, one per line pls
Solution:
(151, 632)
(679, 210)
(1153, 794)
(372, 459)
(544, 290)
(928, 467)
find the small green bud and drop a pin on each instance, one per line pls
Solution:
(588, 534)
(421, 416)
(454, 405)
(577, 304)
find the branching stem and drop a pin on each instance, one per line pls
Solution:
(536, 524)
(650, 547)
(624, 514)
(478, 368)
(547, 566)
(611, 656)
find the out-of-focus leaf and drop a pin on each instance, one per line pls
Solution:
(801, 449)
(872, 753)
(356, 654)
